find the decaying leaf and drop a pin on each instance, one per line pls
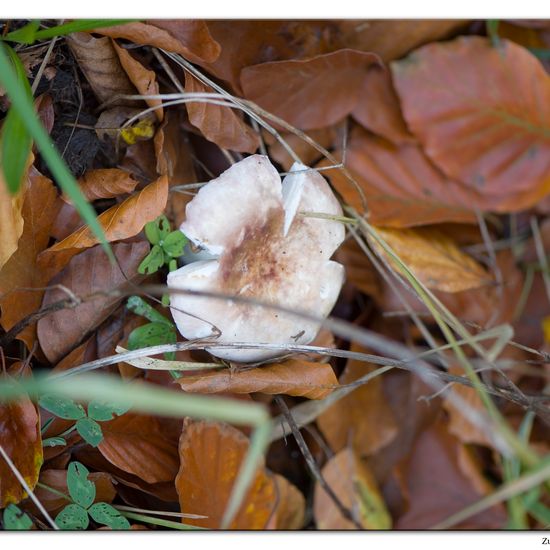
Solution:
(106, 183)
(211, 455)
(482, 115)
(356, 487)
(86, 274)
(144, 446)
(223, 126)
(362, 419)
(291, 505)
(434, 258)
(11, 220)
(119, 222)
(20, 438)
(291, 377)
(290, 89)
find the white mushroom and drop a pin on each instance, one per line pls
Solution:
(247, 219)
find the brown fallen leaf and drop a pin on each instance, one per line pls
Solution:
(378, 108)
(362, 419)
(434, 258)
(403, 188)
(291, 505)
(106, 183)
(145, 446)
(290, 89)
(120, 222)
(57, 480)
(436, 485)
(356, 487)
(20, 438)
(221, 125)
(87, 273)
(190, 37)
(20, 271)
(143, 79)
(100, 64)
(211, 455)
(11, 220)
(485, 123)
(291, 377)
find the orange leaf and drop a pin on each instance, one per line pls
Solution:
(141, 445)
(190, 38)
(221, 125)
(88, 273)
(20, 438)
(211, 455)
(483, 116)
(291, 505)
(290, 89)
(291, 377)
(434, 258)
(363, 418)
(106, 183)
(121, 221)
(20, 271)
(143, 79)
(356, 487)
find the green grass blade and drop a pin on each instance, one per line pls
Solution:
(160, 522)
(24, 107)
(30, 33)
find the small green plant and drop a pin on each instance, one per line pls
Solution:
(86, 422)
(167, 246)
(82, 492)
(15, 519)
(160, 330)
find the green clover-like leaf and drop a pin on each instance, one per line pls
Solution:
(15, 519)
(174, 243)
(101, 411)
(140, 307)
(72, 517)
(104, 513)
(153, 334)
(61, 406)
(152, 262)
(90, 431)
(81, 489)
(53, 442)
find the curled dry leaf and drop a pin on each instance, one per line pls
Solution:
(291, 377)
(266, 251)
(106, 183)
(362, 419)
(20, 438)
(20, 271)
(143, 79)
(439, 480)
(291, 505)
(484, 123)
(221, 125)
(120, 222)
(144, 446)
(434, 258)
(100, 64)
(356, 487)
(290, 89)
(211, 455)
(88, 273)
(403, 188)
(190, 38)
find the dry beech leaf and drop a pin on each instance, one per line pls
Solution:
(290, 89)
(378, 108)
(143, 79)
(483, 116)
(120, 222)
(106, 183)
(87, 273)
(362, 419)
(20, 438)
(57, 479)
(434, 258)
(144, 446)
(291, 377)
(100, 64)
(355, 486)
(190, 38)
(20, 271)
(403, 188)
(439, 481)
(11, 220)
(218, 124)
(211, 456)
(359, 270)
(291, 505)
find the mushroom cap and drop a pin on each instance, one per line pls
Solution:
(264, 251)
